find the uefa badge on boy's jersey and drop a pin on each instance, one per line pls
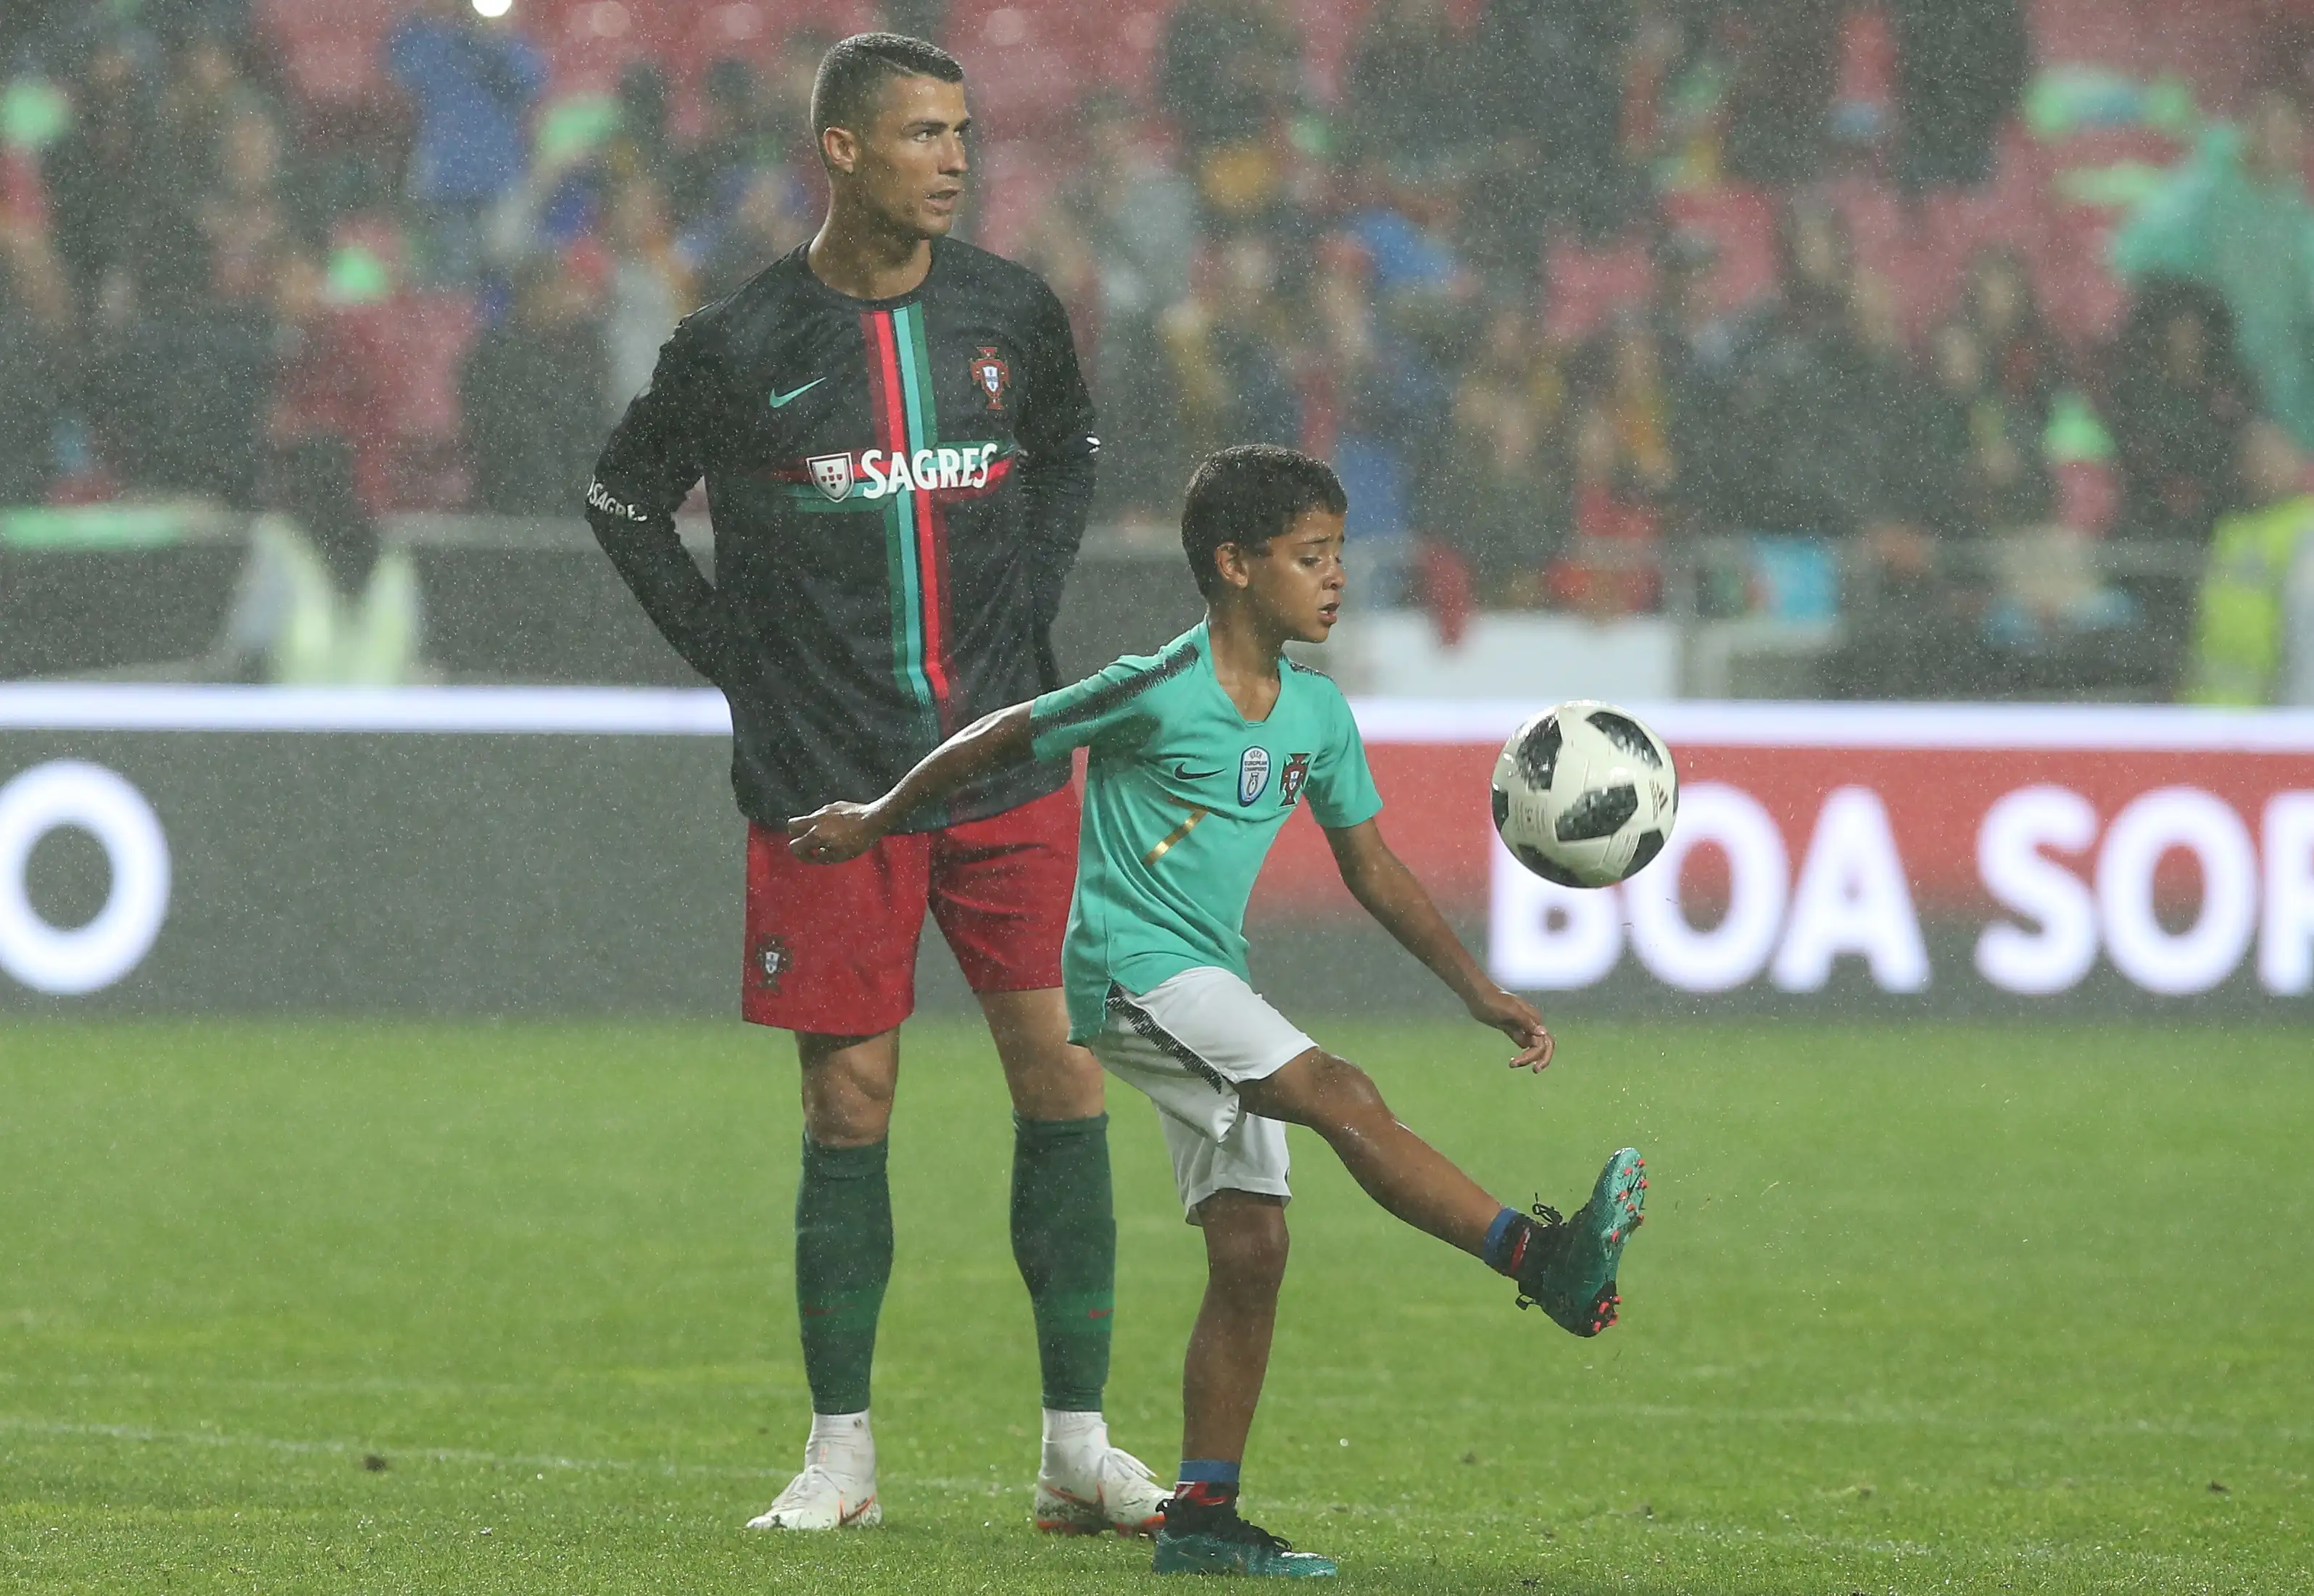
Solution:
(831, 474)
(1252, 774)
(992, 375)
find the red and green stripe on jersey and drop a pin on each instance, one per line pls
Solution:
(905, 480)
(906, 420)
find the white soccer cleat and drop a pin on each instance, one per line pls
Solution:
(1116, 1491)
(818, 1499)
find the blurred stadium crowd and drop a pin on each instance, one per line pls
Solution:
(1986, 325)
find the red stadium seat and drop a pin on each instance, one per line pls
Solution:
(334, 54)
(2085, 32)
(1868, 59)
(1741, 224)
(1128, 58)
(328, 387)
(422, 347)
(2085, 302)
(24, 196)
(1586, 284)
(2215, 45)
(753, 30)
(2089, 496)
(1030, 64)
(1027, 89)
(385, 378)
(590, 43)
(684, 37)
(1015, 179)
(424, 342)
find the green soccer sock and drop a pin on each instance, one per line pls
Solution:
(1064, 1239)
(843, 1263)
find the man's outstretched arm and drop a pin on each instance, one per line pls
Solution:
(836, 832)
(1380, 882)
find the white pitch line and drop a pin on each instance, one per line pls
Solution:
(701, 712)
(1319, 1511)
(146, 1436)
(2040, 1427)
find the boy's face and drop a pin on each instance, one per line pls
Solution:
(1295, 584)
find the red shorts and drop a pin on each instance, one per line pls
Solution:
(832, 949)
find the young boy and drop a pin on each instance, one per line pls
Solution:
(1197, 755)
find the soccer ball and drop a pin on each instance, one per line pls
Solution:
(1585, 795)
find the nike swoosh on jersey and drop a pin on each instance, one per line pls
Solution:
(779, 399)
(1182, 774)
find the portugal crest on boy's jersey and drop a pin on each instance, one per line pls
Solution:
(1291, 780)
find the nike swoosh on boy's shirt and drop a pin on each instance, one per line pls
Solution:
(779, 399)
(1181, 772)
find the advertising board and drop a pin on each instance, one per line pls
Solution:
(2016, 850)
(464, 849)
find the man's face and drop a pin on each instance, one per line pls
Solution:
(1297, 582)
(908, 164)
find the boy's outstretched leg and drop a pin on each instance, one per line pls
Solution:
(1566, 1266)
(1398, 1168)
(1221, 1386)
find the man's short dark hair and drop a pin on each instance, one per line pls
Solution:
(1248, 494)
(854, 71)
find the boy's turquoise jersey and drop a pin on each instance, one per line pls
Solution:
(1183, 797)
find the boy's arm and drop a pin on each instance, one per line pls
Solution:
(1381, 883)
(836, 832)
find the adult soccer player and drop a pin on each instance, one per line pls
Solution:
(1197, 755)
(899, 451)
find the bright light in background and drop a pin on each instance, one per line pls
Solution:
(492, 8)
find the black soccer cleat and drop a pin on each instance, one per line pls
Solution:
(1567, 1267)
(1221, 1542)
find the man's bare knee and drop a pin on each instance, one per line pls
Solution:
(849, 1083)
(1049, 1078)
(1059, 1082)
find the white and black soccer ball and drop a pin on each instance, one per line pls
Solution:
(1585, 795)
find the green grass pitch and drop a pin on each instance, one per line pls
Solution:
(469, 1307)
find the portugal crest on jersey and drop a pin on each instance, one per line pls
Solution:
(831, 474)
(992, 375)
(1291, 780)
(1252, 774)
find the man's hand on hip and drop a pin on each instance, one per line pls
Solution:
(834, 834)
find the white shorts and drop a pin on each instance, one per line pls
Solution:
(1187, 1042)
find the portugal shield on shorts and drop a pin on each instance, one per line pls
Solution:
(832, 475)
